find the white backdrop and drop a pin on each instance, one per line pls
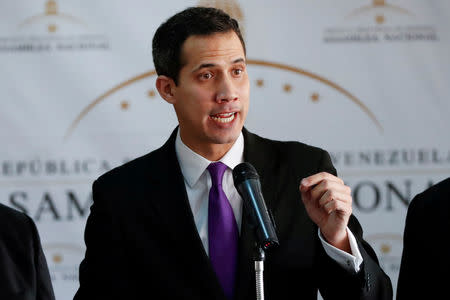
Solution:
(366, 80)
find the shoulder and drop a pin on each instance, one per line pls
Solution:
(431, 207)
(285, 147)
(123, 171)
(146, 167)
(434, 197)
(143, 166)
(10, 215)
(14, 223)
(292, 154)
(438, 190)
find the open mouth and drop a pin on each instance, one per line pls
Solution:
(224, 117)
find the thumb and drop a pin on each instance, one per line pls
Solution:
(305, 192)
(304, 187)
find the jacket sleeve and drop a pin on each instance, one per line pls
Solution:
(371, 282)
(44, 289)
(96, 268)
(415, 273)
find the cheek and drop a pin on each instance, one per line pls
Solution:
(201, 99)
(244, 87)
(196, 106)
(245, 93)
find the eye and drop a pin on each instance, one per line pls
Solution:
(205, 76)
(237, 72)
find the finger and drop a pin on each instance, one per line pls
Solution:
(304, 188)
(337, 206)
(319, 190)
(316, 178)
(333, 195)
(306, 197)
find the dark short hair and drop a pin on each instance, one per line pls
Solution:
(170, 36)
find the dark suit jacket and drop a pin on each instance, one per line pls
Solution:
(23, 269)
(425, 260)
(141, 236)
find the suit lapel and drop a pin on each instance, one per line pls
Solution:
(257, 154)
(174, 213)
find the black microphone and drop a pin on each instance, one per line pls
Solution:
(246, 181)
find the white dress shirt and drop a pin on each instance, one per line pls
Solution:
(198, 183)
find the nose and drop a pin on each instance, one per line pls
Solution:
(227, 90)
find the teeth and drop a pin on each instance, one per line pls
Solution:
(223, 118)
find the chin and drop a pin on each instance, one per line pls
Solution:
(228, 138)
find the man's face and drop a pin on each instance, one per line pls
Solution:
(212, 95)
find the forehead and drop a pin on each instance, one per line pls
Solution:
(218, 46)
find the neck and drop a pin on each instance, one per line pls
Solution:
(212, 152)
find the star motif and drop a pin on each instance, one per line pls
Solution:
(151, 93)
(260, 82)
(52, 28)
(57, 258)
(380, 19)
(385, 248)
(124, 105)
(379, 2)
(315, 97)
(287, 88)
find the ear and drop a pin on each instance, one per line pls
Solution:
(165, 86)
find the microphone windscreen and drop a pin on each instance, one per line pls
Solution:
(244, 171)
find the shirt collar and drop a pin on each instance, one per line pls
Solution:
(193, 165)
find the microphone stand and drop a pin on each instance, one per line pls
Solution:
(259, 257)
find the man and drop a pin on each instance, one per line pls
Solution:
(23, 268)
(424, 276)
(160, 224)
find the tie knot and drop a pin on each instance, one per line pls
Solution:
(216, 170)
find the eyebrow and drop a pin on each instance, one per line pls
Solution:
(209, 65)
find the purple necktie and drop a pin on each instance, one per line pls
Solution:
(222, 231)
